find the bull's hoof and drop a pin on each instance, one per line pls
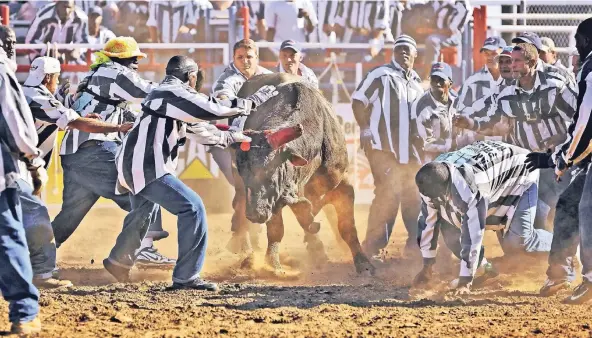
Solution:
(363, 265)
(239, 243)
(316, 250)
(248, 262)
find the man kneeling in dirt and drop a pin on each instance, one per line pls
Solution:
(486, 185)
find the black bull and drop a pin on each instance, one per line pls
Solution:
(297, 158)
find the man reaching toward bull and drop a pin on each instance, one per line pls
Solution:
(170, 113)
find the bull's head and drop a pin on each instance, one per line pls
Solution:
(266, 166)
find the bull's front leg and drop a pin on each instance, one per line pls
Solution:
(342, 198)
(240, 242)
(305, 213)
(275, 234)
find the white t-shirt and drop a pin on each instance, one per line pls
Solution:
(283, 17)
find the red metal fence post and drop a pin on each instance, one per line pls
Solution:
(5, 14)
(479, 35)
(245, 15)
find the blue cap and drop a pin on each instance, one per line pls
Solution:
(493, 43)
(507, 51)
(442, 70)
(529, 37)
(290, 44)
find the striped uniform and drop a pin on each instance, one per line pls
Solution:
(452, 14)
(390, 93)
(109, 88)
(47, 27)
(434, 124)
(326, 12)
(231, 80)
(307, 74)
(363, 15)
(540, 116)
(169, 16)
(558, 73)
(579, 136)
(18, 139)
(477, 90)
(50, 114)
(150, 149)
(488, 179)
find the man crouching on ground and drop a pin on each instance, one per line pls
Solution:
(486, 185)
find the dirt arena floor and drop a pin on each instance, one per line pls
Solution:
(331, 301)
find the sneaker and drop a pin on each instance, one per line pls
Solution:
(551, 287)
(120, 273)
(150, 258)
(581, 294)
(489, 272)
(196, 284)
(33, 326)
(52, 283)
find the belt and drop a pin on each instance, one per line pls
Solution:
(90, 143)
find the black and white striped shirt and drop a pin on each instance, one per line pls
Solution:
(18, 139)
(434, 124)
(47, 27)
(488, 179)
(150, 149)
(110, 81)
(363, 15)
(326, 12)
(452, 14)
(169, 16)
(390, 93)
(50, 115)
(540, 116)
(231, 80)
(577, 145)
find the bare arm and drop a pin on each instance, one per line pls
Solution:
(97, 126)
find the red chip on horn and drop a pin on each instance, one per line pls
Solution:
(245, 146)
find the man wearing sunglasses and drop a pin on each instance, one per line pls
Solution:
(483, 186)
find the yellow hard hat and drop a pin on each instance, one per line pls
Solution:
(123, 47)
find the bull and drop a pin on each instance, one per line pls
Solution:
(297, 158)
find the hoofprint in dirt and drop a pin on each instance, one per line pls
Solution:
(331, 301)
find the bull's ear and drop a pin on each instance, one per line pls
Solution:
(297, 160)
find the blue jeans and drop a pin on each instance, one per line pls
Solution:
(38, 231)
(178, 199)
(566, 230)
(89, 173)
(521, 236)
(549, 192)
(16, 274)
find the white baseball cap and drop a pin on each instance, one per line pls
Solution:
(40, 67)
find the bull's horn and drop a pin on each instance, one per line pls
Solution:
(284, 135)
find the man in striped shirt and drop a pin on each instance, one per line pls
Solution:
(167, 20)
(87, 157)
(147, 162)
(381, 106)
(18, 141)
(574, 151)
(483, 109)
(548, 53)
(480, 85)
(50, 115)
(433, 113)
(60, 22)
(483, 186)
(291, 63)
(540, 107)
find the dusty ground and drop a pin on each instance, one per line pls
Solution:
(332, 301)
